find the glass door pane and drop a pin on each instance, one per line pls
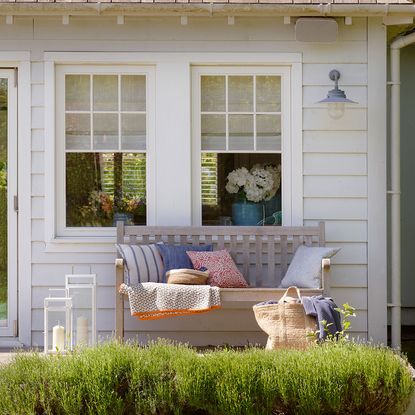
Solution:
(3, 202)
(8, 215)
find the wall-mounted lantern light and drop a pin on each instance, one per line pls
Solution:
(336, 98)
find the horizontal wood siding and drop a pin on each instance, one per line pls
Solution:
(334, 155)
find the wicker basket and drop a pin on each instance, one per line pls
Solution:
(286, 323)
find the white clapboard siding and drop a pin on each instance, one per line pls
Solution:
(37, 72)
(38, 139)
(354, 119)
(38, 209)
(339, 52)
(334, 160)
(313, 94)
(335, 142)
(105, 296)
(350, 74)
(359, 31)
(38, 230)
(349, 275)
(335, 186)
(158, 28)
(46, 275)
(38, 115)
(335, 208)
(38, 95)
(38, 162)
(343, 230)
(38, 185)
(79, 257)
(356, 297)
(21, 29)
(350, 253)
(335, 164)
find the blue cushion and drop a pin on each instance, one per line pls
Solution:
(175, 257)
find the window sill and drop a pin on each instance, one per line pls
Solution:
(98, 244)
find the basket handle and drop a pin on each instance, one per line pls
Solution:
(292, 288)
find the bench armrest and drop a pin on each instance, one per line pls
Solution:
(119, 299)
(325, 275)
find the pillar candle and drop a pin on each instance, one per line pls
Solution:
(58, 338)
(82, 331)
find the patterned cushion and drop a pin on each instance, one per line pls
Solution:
(175, 257)
(222, 270)
(143, 263)
(305, 268)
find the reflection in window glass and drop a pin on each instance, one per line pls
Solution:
(240, 133)
(104, 187)
(105, 92)
(217, 201)
(105, 149)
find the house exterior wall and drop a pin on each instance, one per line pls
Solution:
(336, 159)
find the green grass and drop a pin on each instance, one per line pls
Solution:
(173, 379)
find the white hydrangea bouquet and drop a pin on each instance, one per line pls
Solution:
(259, 184)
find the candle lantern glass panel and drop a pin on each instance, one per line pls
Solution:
(82, 290)
(57, 324)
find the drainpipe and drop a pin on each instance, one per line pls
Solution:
(395, 191)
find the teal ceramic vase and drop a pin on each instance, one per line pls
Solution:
(245, 213)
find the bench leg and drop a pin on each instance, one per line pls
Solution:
(119, 302)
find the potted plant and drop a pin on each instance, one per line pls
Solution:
(254, 188)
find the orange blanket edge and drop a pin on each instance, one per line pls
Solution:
(159, 314)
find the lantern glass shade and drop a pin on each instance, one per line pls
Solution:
(57, 324)
(82, 290)
(336, 109)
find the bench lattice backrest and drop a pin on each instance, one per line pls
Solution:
(261, 253)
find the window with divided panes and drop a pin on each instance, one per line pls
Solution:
(105, 149)
(239, 125)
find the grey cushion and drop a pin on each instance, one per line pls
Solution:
(305, 268)
(143, 263)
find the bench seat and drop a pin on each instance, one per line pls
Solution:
(262, 254)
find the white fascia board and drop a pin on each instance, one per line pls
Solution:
(152, 58)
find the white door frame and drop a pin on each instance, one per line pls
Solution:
(12, 273)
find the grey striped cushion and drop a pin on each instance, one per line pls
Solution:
(143, 263)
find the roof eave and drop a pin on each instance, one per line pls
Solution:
(205, 9)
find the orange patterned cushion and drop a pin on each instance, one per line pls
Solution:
(222, 270)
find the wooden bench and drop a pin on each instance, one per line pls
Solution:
(262, 253)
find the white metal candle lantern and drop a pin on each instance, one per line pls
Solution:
(57, 324)
(82, 289)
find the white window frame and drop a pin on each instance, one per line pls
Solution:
(289, 136)
(60, 207)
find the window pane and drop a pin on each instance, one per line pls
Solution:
(133, 127)
(78, 131)
(133, 93)
(268, 132)
(105, 92)
(218, 198)
(106, 131)
(241, 132)
(241, 93)
(213, 93)
(213, 132)
(77, 92)
(209, 179)
(268, 93)
(102, 188)
(4, 292)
